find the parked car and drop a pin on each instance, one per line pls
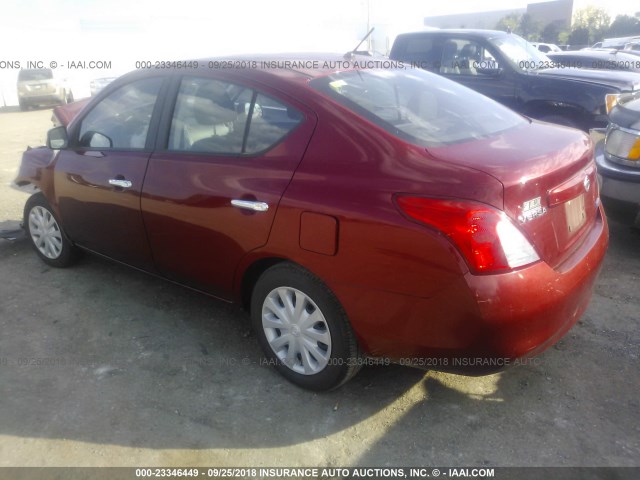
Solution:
(504, 67)
(597, 59)
(41, 87)
(356, 214)
(632, 47)
(546, 47)
(618, 161)
(619, 42)
(98, 84)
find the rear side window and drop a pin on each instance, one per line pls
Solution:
(271, 122)
(419, 50)
(36, 74)
(418, 106)
(217, 117)
(121, 120)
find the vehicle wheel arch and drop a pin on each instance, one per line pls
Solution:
(342, 345)
(251, 274)
(547, 109)
(65, 253)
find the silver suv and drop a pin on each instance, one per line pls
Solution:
(42, 87)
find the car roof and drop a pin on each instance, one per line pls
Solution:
(277, 70)
(304, 66)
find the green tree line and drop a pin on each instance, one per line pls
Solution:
(590, 25)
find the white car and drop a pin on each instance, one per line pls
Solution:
(98, 84)
(547, 47)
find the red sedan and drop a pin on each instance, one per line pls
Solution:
(357, 214)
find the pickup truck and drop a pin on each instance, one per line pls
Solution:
(508, 69)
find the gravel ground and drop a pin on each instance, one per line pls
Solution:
(101, 365)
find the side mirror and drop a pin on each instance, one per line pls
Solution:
(57, 138)
(94, 139)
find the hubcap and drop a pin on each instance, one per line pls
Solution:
(296, 330)
(45, 232)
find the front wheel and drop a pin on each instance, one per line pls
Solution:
(45, 234)
(303, 329)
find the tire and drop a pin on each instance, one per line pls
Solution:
(23, 106)
(317, 356)
(46, 235)
(64, 98)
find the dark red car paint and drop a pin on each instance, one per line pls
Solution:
(331, 185)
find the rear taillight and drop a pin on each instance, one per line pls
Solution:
(486, 237)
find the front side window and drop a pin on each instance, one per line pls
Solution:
(417, 106)
(121, 120)
(519, 53)
(217, 117)
(467, 57)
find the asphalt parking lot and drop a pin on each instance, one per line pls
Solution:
(101, 365)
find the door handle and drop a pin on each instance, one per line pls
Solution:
(118, 182)
(250, 205)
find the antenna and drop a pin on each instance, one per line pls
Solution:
(349, 55)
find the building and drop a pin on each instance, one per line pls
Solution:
(559, 12)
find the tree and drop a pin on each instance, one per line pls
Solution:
(508, 23)
(624, 26)
(563, 38)
(594, 20)
(528, 27)
(551, 31)
(579, 36)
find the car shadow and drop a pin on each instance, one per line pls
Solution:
(104, 354)
(568, 407)
(11, 230)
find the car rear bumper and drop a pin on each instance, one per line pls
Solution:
(32, 98)
(486, 322)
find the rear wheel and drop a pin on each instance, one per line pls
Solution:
(45, 234)
(302, 328)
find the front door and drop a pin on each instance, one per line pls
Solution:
(479, 66)
(98, 179)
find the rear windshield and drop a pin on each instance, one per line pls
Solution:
(39, 74)
(418, 106)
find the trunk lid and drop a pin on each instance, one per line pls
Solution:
(548, 176)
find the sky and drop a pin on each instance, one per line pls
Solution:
(124, 32)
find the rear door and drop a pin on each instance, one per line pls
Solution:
(98, 179)
(211, 193)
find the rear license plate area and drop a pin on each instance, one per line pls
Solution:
(576, 213)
